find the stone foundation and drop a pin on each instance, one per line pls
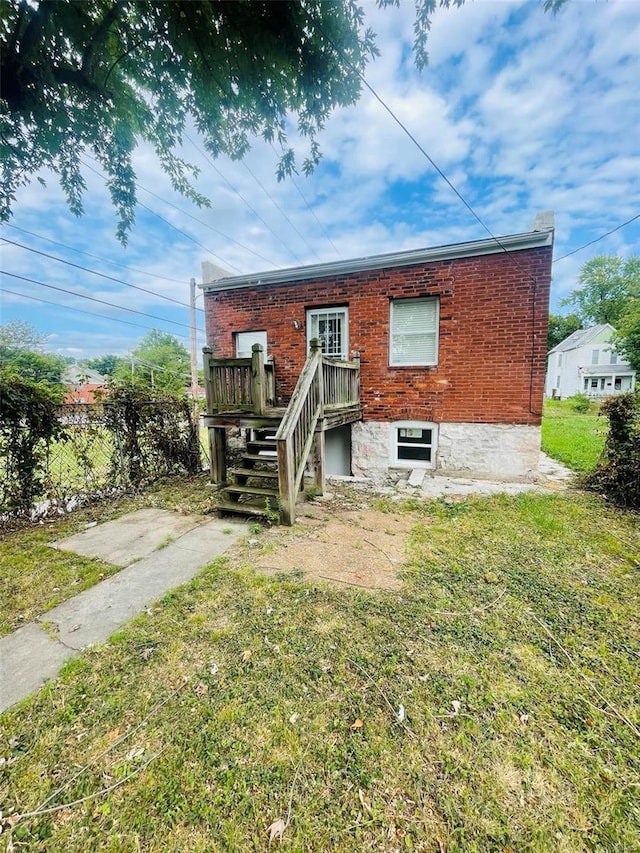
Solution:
(492, 451)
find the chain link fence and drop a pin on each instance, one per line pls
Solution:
(98, 450)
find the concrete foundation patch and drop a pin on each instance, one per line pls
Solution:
(124, 540)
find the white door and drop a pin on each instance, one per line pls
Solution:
(331, 326)
(245, 340)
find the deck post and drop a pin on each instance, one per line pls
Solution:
(286, 482)
(258, 380)
(218, 454)
(207, 354)
(319, 461)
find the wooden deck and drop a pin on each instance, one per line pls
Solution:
(241, 393)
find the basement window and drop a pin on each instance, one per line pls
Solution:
(413, 444)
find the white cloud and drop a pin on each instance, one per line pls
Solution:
(523, 111)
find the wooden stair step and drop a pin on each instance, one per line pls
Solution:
(262, 444)
(258, 473)
(242, 509)
(256, 457)
(258, 491)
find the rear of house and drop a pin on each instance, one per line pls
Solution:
(451, 343)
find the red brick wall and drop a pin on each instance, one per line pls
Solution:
(492, 346)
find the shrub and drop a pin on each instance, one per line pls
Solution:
(617, 473)
(29, 422)
(153, 437)
(580, 403)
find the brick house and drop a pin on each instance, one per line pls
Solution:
(82, 385)
(450, 343)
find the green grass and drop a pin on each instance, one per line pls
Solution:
(248, 688)
(34, 577)
(572, 438)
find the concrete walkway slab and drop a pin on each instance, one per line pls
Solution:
(131, 537)
(32, 654)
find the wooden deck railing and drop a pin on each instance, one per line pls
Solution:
(239, 384)
(341, 380)
(295, 435)
(324, 384)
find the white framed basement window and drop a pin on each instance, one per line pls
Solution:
(413, 444)
(413, 338)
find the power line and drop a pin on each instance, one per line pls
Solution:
(422, 150)
(95, 272)
(166, 222)
(82, 311)
(239, 194)
(93, 299)
(310, 209)
(597, 240)
(313, 213)
(275, 204)
(210, 227)
(89, 255)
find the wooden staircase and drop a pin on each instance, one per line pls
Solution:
(253, 489)
(281, 442)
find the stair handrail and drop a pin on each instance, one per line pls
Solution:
(295, 435)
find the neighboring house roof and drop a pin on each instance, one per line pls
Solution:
(581, 338)
(512, 243)
(607, 369)
(75, 375)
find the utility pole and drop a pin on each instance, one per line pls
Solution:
(194, 353)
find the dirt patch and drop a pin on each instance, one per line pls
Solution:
(363, 548)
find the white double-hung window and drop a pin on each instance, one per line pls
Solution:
(413, 338)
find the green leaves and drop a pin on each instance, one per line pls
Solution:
(103, 76)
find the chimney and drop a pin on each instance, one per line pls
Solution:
(544, 221)
(212, 272)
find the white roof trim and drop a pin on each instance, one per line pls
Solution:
(492, 246)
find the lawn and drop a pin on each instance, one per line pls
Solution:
(490, 704)
(573, 438)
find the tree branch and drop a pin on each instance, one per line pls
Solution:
(99, 36)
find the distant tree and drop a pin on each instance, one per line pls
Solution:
(607, 285)
(20, 335)
(32, 366)
(627, 340)
(159, 361)
(104, 364)
(560, 327)
(101, 75)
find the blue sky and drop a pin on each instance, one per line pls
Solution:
(523, 111)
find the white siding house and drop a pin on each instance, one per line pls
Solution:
(586, 363)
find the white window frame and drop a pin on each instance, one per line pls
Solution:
(255, 333)
(595, 356)
(435, 331)
(395, 443)
(331, 309)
